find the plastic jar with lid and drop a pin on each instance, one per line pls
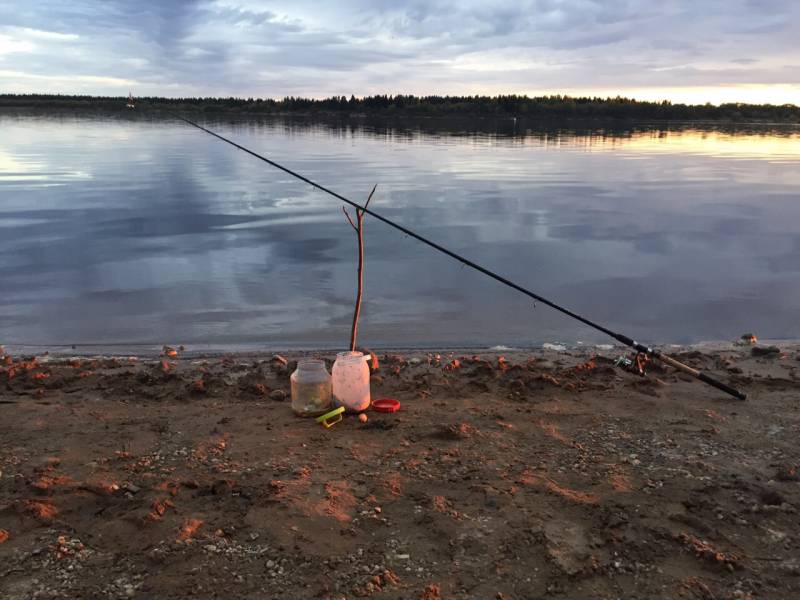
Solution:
(350, 375)
(311, 388)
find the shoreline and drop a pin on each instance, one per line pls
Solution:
(210, 350)
(331, 116)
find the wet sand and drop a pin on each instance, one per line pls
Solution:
(531, 474)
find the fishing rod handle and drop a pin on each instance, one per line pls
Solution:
(700, 375)
(676, 364)
(721, 386)
(681, 367)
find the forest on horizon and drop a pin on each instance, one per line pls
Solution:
(506, 106)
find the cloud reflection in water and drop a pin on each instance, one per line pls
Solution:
(170, 235)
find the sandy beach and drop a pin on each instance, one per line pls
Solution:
(521, 474)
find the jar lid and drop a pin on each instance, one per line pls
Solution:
(387, 405)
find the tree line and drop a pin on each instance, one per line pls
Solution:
(506, 106)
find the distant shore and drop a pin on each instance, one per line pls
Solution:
(510, 107)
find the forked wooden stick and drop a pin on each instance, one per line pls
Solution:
(359, 229)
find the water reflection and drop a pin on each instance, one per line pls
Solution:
(136, 230)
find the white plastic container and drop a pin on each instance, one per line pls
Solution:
(311, 388)
(350, 375)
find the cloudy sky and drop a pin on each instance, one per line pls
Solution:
(695, 51)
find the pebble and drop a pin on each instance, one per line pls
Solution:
(765, 350)
(787, 473)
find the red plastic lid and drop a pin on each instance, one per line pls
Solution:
(387, 405)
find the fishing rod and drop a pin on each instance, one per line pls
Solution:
(623, 339)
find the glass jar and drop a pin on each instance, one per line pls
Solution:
(311, 388)
(350, 375)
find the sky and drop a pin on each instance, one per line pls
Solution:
(685, 51)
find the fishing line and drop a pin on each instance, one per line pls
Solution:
(623, 339)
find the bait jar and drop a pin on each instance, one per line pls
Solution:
(351, 381)
(311, 388)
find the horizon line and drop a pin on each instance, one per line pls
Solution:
(252, 98)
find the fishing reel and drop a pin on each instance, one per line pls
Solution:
(637, 363)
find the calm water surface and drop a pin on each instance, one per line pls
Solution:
(121, 230)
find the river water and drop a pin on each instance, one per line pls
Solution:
(123, 230)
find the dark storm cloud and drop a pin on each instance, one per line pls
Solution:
(275, 48)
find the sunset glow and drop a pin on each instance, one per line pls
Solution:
(766, 146)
